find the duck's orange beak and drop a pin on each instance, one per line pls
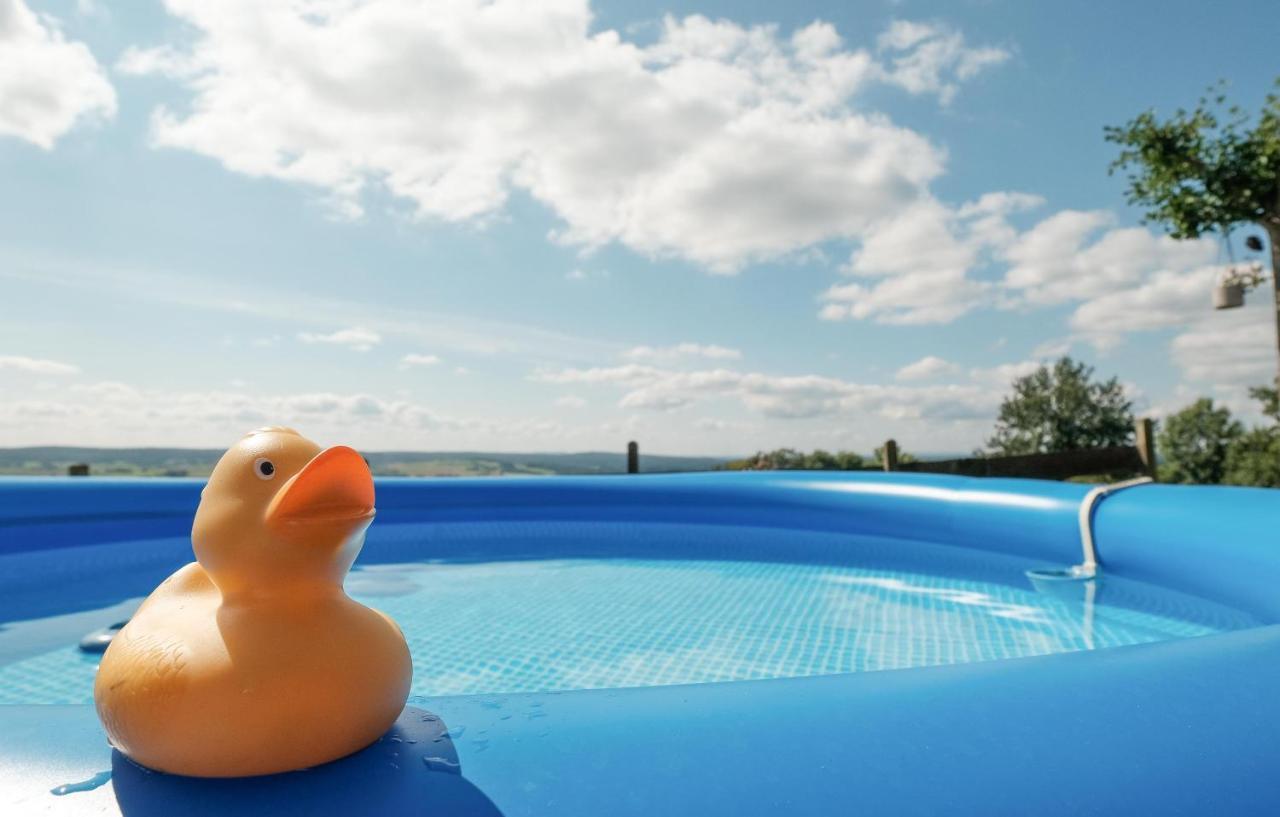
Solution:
(335, 486)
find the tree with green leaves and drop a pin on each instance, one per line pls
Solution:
(1270, 400)
(1194, 443)
(1062, 409)
(1254, 457)
(1207, 170)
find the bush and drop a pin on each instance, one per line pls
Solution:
(789, 459)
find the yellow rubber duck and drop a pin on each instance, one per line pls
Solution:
(252, 660)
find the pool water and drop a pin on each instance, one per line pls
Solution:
(540, 624)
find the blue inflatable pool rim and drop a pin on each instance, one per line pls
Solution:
(1177, 727)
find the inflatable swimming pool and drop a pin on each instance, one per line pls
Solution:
(774, 643)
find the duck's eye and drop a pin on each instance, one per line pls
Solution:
(264, 468)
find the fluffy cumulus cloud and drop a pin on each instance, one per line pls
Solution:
(1068, 257)
(1168, 298)
(47, 82)
(356, 339)
(36, 365)
(932, 263)
(1122, 280)
(916, 266)
(718, 143)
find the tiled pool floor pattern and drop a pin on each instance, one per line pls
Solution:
(540, 625)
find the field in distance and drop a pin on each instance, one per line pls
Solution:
(198, 462)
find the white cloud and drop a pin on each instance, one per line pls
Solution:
(1001, 376)
(683, 350)
(931, 58)
(418, 360)
(121, 414)
(718, 143)
(922, 258)
(712, 424)
(357, 339)
(926, 368)
(571, 401)
(36, 365)
(108, 392)
(1165, 299)
(47, 83)
(781, 396)
(630, 373)
(1063, 258)
(1053, 348)
(919, 267)
(1229, 350)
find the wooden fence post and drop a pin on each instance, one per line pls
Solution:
(633, 458)
(1144, 439)
(889, 455)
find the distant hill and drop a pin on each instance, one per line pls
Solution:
(198, 462)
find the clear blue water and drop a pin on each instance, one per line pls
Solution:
(529, 624)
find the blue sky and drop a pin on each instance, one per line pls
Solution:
(709, 226)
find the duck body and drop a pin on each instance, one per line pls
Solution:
(253, 660)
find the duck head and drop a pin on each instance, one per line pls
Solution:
(282, 516)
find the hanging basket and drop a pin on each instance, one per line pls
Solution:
(1228, 295)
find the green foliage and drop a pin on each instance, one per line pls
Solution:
(1062, 409)
(1194, 443)
(1254, 457)
(821, 460)
(1270, 400)
(1205, 169)
(789, 459)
